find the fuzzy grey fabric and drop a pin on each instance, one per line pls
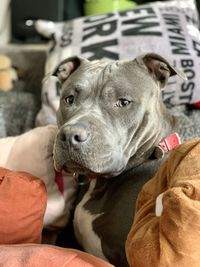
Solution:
(19, 106)
(188, 121)
(17, 112)
(3, 132)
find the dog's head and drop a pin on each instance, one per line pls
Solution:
(110, 114)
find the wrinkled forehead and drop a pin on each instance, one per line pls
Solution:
(98, 69)
(92, 72)
(117, 75)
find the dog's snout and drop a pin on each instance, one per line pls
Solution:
(75, 135)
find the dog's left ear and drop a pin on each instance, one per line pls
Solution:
(67, 67)
(160, 68)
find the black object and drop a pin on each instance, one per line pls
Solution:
(73, 9)
(25, 12)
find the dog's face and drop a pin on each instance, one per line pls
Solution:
(109, 113)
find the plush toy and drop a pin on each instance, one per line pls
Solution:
(7, 73)
(32, 152)
(166, 228)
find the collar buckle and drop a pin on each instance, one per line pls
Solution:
(170, 142)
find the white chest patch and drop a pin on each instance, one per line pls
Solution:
(83, 219)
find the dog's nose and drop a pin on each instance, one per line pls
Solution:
(74, 134)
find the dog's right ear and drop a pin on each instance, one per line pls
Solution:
(67, 67)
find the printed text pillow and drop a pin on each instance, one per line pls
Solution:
(168, 28)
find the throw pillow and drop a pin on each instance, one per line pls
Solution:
(22, 205)
(168, 28)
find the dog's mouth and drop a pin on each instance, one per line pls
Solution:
(91, 163)
(78, 169)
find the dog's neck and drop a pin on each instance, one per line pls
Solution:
(150, 150)
(148, 161)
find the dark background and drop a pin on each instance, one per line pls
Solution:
(24, 12)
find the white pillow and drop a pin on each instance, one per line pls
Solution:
(168, 28)
(5, 30)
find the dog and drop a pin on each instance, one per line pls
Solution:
(111, 120)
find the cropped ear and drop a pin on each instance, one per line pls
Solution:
(160, 68)
(67, 67)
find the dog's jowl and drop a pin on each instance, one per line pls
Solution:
(111, 120)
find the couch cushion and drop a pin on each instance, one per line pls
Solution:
(22, 206)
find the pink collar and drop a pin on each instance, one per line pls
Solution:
(170, 142)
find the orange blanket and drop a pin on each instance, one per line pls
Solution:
(166, 228)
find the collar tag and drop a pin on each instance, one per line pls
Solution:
(170, 142)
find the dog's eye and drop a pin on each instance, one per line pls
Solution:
(122, 102)
(69, 99)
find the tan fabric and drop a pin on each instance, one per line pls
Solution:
(23, 202)
(45, 255)
(32, 152)
(172, 239)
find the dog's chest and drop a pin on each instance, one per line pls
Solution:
(83, 228)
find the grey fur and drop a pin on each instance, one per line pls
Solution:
(110, 120)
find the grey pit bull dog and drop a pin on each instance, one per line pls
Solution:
(111, 120)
